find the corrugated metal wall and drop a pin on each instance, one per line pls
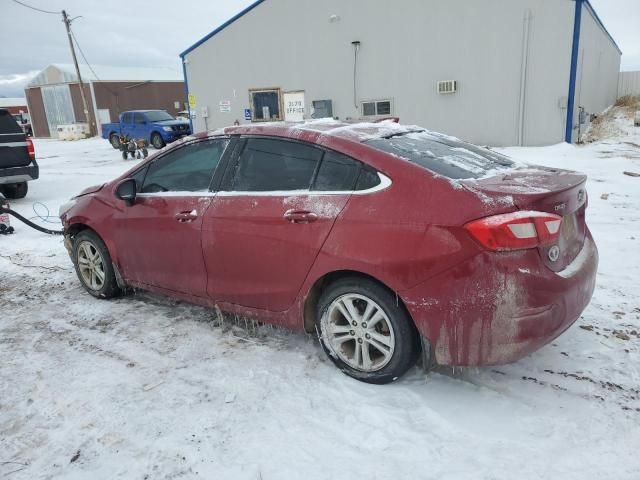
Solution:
(59, 107)
(629, 84)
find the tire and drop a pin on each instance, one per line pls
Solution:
(115, 141)
(90, 256)
(388, 335)
(157, 141)
(14, 191)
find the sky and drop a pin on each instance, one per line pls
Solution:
(144, 33)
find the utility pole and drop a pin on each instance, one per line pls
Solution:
(67, 24)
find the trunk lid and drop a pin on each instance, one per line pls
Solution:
(542, 189)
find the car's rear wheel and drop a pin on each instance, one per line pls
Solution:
(15, 190)
(93, 265)
(157, 141)
(365, 332)
(115, 140)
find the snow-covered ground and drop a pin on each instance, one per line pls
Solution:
(146, 388)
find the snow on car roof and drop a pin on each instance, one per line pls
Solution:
(359, 132)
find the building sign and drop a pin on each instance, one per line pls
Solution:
(247, 114)
(225, 106)
(192, 100)
(293, 106)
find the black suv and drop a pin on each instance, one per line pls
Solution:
(17, 158)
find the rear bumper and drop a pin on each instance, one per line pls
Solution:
(498, 309)
(19, 174)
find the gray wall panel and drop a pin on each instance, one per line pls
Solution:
(407, 46)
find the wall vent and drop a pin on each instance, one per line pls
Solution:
(447, 86)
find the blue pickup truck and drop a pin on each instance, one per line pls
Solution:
(155, 126)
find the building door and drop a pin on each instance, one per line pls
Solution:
(58, 107)
(104, 116)
(294, 109)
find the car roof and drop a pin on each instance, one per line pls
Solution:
(145, 111)
(356, 132)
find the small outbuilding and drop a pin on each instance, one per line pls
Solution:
(495, 72)
(54, 95)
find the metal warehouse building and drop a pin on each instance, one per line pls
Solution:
(54, 94)
(496, 72)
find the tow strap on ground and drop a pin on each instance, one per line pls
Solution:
(4, 209)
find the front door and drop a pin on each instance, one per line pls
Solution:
(265, 228)
(159, 237)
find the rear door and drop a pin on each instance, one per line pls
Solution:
(13, 143)
(126, 124)
(158, 238)
(261, 234)
(138, 130)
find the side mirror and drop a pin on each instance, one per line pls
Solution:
(127, 191)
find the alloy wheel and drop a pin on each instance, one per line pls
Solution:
(91, 266)
(359, 332)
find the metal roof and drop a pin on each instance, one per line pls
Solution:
(66, 73)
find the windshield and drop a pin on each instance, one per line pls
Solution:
(158, 116)
(443, 155)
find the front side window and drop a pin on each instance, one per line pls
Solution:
(274, 165)
(138, 118)
(187, 169)
(158, 116)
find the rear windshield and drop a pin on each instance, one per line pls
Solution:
(443, 155)
(8, 124)
(158, 116)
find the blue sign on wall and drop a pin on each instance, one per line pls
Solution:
(247, 114)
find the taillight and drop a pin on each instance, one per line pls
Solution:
(30, 149)
(516, 231)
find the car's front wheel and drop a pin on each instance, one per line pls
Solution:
(93, 265)
(365, 331)
(114, 139)
(157, 141)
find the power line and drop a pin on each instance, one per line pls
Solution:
(89, 65)
(35, 8)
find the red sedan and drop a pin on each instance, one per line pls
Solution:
(386, 240)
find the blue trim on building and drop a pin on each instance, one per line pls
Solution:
(577, 21)
(221, 27)
(595, 16)
(186, 91)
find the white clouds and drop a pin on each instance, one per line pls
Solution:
(119, 33)
(621, 18)
(12, 85)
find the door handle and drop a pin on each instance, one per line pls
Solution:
(185, 217)
(300, 216)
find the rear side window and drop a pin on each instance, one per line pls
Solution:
(127, 117)
(368, 178)
(336, 173)
(444, 155)
(187, 169)
(8, 124)
(273, 165)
